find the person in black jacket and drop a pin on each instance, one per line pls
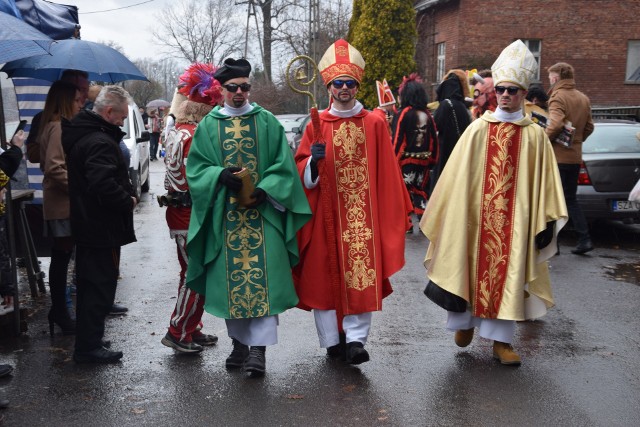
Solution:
(102, 202)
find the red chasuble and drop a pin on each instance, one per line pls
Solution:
(369, 208)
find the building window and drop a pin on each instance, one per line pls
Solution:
(441, 58)
(633, 62)
(535, 47)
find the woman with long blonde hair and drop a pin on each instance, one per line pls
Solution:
(63, 102)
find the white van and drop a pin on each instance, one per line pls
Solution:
(137, 141)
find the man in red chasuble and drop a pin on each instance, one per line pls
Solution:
(355, 239)
(493, 217)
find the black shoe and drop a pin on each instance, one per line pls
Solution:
(356, 354)
(238, 355)
(5, 370)
(256, 362)
(583, 247)
(338, 351)
(117, 309)
(63, 320)
(181, 346)
(204, 339)
(99, 355)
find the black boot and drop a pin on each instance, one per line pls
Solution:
(256, 362)
(58, 285)
(338, 351)
(238, 355)
(356, 354)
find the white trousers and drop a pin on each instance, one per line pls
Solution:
(355, 326)
(254, 331)
(492, 329)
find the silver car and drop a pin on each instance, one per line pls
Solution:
(610, 169)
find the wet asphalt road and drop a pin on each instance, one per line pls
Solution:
(580, 362)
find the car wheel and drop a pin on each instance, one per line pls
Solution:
(135, 181)
(145, 186)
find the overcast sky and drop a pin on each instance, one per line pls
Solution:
(130, 25)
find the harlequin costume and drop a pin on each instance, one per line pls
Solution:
(240, 258)
(343, 274)
(498, 199)
(415, 143)
(197, 94)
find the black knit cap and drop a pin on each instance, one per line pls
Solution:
(231, 69)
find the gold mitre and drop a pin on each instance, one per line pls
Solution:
(515, 65)
(341, 59)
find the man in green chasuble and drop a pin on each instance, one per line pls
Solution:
(241, 252)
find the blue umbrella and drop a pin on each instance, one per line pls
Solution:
(103, 63)
(20, 40)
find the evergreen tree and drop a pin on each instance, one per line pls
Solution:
(384, 31)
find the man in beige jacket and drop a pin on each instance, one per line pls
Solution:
(567, 104)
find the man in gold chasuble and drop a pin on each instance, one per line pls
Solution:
(493, 218)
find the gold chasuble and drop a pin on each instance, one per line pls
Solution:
(499, 189)
(241, 258)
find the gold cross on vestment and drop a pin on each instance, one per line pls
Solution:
(236, 128)
(245, 260)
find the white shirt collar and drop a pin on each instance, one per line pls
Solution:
(344, 114)
(503, 116)
(230, 111)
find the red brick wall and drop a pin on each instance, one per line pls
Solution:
(591, 35)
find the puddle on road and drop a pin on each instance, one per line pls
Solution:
(626, 272)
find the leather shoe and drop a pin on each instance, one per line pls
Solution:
(256, 363)
(118, 309)
(204, 339)
(5, 370)
(338, 351)
(463, 337)
(505, 354)
(238, 355)
(356, 354)
(583, 247)
(99, 355)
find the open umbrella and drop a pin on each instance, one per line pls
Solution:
(20, 40)
(158, 103)
(103, 63)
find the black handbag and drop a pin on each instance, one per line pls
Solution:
(445, 299)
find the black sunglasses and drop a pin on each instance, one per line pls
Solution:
(511, 90)
(233, 87)
(339, 83)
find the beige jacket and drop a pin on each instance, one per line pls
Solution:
(566, 103)
(53, 164)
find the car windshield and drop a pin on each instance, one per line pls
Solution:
(613, 139)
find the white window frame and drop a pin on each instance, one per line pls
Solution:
(440, 60)
(632, 74)
(535, 47)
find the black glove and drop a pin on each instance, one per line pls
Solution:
(544, 238)
(318, 151)
(229, 180)
(258, 196)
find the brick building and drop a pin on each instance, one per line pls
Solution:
(600, 38)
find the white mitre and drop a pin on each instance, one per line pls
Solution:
(515, 65)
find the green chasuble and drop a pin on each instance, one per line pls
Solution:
(240, 259)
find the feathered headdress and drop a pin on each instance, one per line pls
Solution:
(413, 77)
(198, 84)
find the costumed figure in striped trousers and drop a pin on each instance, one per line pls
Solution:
(198, 92)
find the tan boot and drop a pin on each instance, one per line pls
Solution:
(463, 337)
(505, 354)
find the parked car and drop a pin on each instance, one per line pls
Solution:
(299, 131)
(610, 169)
(290, 122)
(137, 141)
